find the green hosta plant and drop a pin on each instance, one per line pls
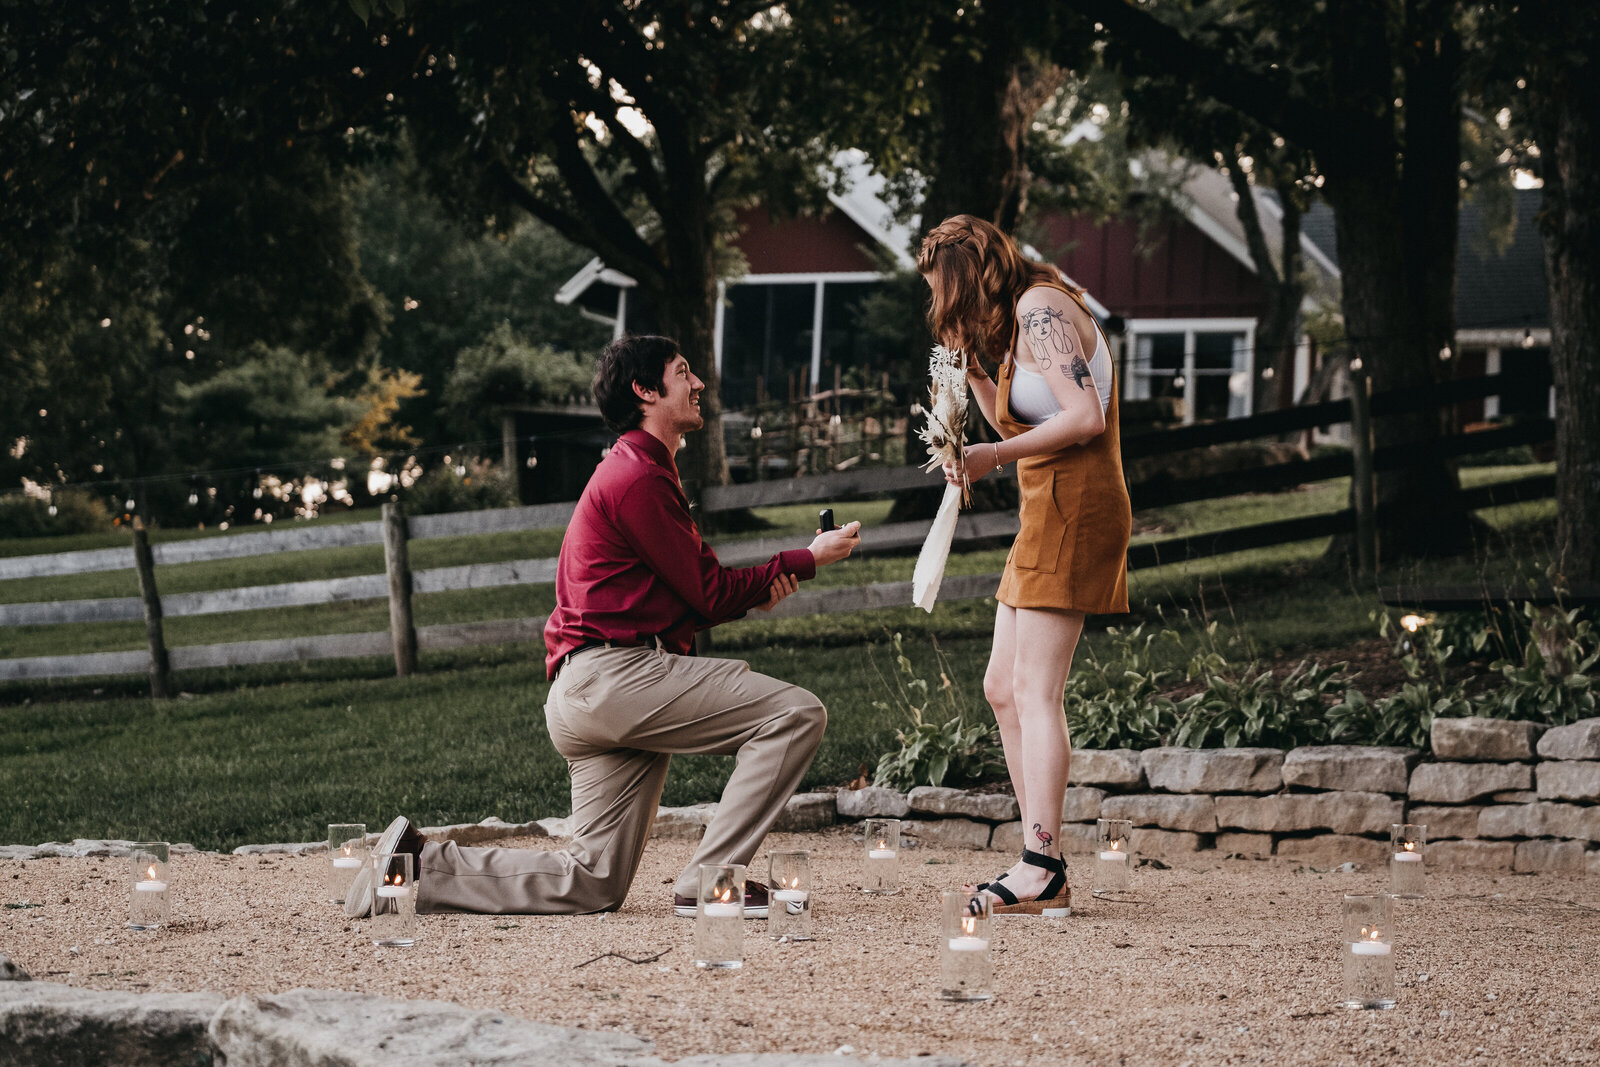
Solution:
(931, 752)
(1116, 701)
(1555, 681)
(1257, 708)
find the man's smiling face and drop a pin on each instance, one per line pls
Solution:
(680, 395)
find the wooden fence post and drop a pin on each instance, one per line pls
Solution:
(144, 563)
(1364, 490)
(397, 561)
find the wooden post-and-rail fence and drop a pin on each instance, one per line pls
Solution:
(399, 584)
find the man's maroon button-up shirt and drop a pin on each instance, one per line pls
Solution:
(633, 566)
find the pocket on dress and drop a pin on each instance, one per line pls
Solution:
(1043, 525)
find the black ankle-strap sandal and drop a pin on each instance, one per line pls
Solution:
(1056, 899)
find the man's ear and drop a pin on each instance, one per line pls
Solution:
(645, 393)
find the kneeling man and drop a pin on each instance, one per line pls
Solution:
(633, 585)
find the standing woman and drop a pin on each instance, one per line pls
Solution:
(1055, 408)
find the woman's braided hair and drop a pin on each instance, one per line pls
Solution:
(977, 274)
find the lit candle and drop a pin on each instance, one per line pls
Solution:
(881, 853)
(1112, 855)
(346, 861)
(150, 883)
(1371, 946)
(720, 910)
(1407, 857)
(790, 896)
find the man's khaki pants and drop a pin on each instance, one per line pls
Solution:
(618, 715)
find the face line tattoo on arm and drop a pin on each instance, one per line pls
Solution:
(1049, 334)
(1078, 371)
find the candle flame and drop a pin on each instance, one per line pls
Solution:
(1116, 846)
(794, 883)
(1372, 932)
(1411, 846)
(150, 873)
(394, 879)
(727, 895)
(347, 850)
(968, 924)
(883, 844)
(1413, 623)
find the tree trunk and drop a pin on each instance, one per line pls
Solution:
(1395, 199)
(988, 92)
(1285, 289)
(1570, 222)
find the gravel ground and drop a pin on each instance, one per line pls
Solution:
(1214, 961)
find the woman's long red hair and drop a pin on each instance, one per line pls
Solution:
(977, 274)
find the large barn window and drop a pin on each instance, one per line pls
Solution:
(1205, 362)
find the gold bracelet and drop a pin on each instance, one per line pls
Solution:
(998, 466)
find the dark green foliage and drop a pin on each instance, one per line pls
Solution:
(931, 753)
(470, 486)
(22, 515)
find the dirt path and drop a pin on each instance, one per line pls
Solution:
(1221, 961)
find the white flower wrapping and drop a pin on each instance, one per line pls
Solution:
(945, 435)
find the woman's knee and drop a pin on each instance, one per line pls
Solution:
(1000, 691)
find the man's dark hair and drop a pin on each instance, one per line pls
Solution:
(643, 359)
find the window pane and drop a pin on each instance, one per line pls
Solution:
(1159, 352)
(1216, 351)
(1211, 396)
(766, 332)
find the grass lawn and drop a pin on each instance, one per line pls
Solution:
(277, 752)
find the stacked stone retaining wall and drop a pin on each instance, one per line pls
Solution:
(1495, 794)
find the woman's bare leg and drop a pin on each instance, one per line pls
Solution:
(1038, 752)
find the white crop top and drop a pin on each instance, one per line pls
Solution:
(1032, 401)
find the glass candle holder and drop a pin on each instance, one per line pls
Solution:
(719, 917)
(789, 913)
(149, 877)
(964, 968)
(394, 901)
(880, 859)
(1368, 951)
(347, 851)
(1113, 862)
(1408, 841)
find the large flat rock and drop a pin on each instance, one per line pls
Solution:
(327, 1028)
(1484, 739)
(1366, 768)
(947, 833)
(873, 802)
(1460, 783)
(46, 1023)
(1165, 842)
(1213, 770)
(1579, 740)
(1542, 819)
(1330, 850)
(1568, 780)
(1081, 803)
(1118, 768)
(1342, 813)
(1194, 813)
(938, 800)
(1557, 857)
(1493, 855)
(682, 824)
(1445, 822)
(806, 811)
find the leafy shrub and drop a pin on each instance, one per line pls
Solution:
(1117, 702)
(1255, 707)
(930, 753)
(1552, 680)
(473, 486)
(76, 512)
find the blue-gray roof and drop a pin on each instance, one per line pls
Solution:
(1494, 290)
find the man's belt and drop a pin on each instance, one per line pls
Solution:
(654, 642)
